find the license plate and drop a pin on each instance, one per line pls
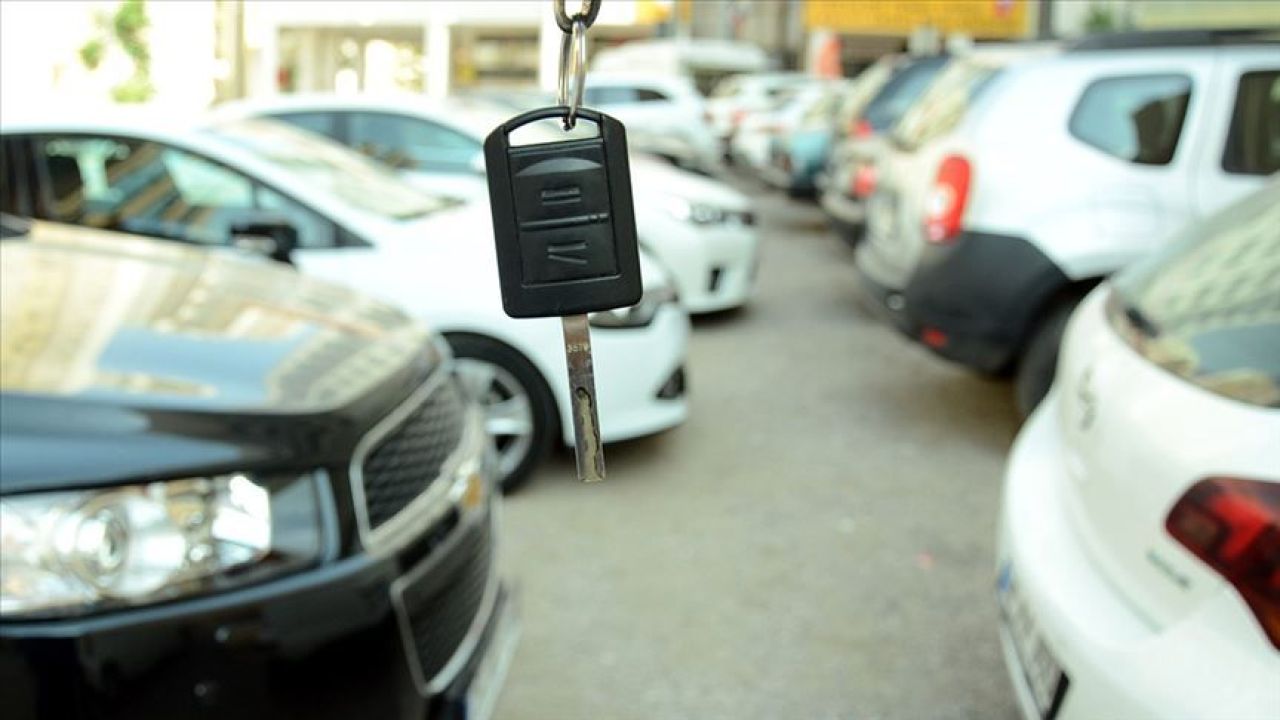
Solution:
(1044, 677)
(482, 692)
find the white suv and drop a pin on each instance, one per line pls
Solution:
(1013, 190)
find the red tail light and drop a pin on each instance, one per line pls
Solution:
(945, 203)
(736, 117)
(861, 128)
(1234, 527)
(864, 181)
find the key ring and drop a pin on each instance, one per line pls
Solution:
(573, 50)
(588, 9)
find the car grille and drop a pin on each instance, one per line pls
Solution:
(410, 457)
(442, 605)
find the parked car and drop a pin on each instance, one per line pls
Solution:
(700, 230)
(702, 61)
(796, 156)
(663, 115)
(734, 97)
(1139, 547)
(256, 182)
(1014, 192)
(885, 91)
(205, 509)
(750, 145)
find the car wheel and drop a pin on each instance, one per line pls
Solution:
(1040, 358)
(519, 410)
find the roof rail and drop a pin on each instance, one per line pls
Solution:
(1176, 39)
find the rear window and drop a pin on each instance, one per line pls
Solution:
(944, 105)
(1207, 308)
(1253, 144)
(1137, 118)
(862, 90)
(901, 91)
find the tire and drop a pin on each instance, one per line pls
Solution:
(521, 430)
(1039, 360)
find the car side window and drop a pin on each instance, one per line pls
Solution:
(321, 123)
(647, 95)
(1136, 118)
(1253, 142)
(609, 95)
(408, 142)
(153, 189)
(314, 230)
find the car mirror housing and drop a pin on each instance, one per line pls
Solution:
(269, 235)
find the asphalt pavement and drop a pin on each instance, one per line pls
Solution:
(815, 543)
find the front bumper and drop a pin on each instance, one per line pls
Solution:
(983, 291)
(713, 267)
(326, 643)
(1119, 664)
(634, 368)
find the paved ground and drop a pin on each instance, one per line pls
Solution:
(815, 543)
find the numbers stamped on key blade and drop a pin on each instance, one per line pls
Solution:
(582, 395)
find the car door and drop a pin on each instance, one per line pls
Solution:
(152, 188)
(1242, 144)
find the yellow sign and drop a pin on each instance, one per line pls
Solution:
(978, 18)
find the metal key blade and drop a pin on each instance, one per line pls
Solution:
(582, 395)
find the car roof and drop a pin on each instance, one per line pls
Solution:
(1185, 38)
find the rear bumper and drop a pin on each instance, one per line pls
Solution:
(982, 292)
(847, 215)
(328, 643)
(1119, 663)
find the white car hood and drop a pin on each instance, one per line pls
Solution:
(651, 178)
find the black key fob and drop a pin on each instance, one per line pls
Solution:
(563, 219)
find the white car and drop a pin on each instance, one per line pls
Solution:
(739, 95)
(664, 115)
(258, 182)
(1139, 542)
(699, 229)
(1016, 187)
(751, 142)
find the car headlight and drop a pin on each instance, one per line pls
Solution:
(77, 552)
(638, 315)
(694, 212)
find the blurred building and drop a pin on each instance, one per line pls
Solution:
(431, 47)
(202, 51)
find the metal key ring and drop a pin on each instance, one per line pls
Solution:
(573, 59)
(587, 12)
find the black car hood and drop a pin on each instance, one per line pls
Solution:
(148, 357)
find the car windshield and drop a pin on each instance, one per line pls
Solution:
(945, 103)
(1207, 308)
(346, 175)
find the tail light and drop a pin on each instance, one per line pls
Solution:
(1233, 525)
(737, 117)
(864, 181)
(861, 128)
(945, 203)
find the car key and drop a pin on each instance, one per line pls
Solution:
(565, 233)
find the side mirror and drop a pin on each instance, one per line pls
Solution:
(268, 235)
